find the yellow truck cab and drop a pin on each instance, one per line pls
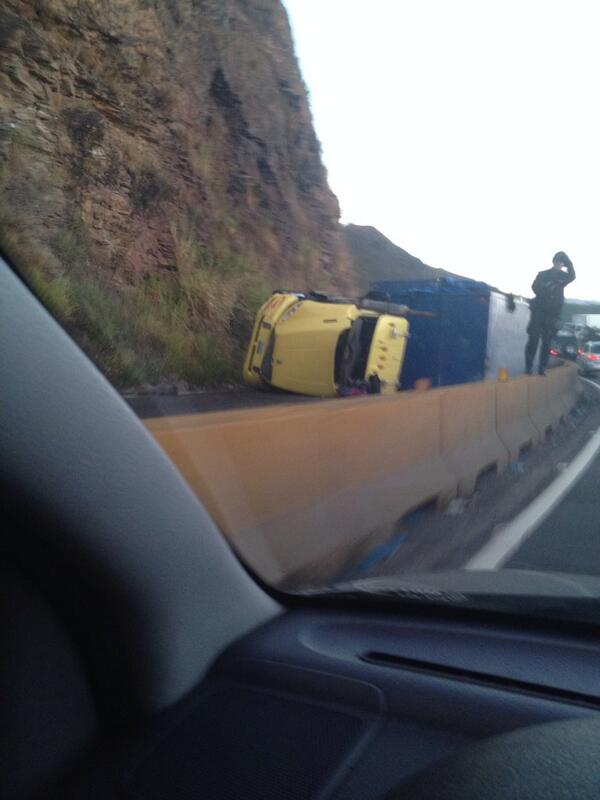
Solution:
(320, 345)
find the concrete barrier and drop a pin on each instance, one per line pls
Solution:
(556, 392)
(513, 423)
(299, 485)
(552, 397)
(540, 412)
(296, 487)
(203, 418)
(569, 386)
(470, 442)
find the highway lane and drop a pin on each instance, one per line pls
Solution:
(569, 539)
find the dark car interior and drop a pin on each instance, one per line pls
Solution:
(140, 659)
(354, 347)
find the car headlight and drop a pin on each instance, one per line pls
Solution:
(290, 312)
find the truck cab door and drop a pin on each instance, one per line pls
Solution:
(386, 354)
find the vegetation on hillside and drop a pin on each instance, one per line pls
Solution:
(159, 176)
(189, 327)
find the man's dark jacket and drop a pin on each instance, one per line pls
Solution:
(548, 288)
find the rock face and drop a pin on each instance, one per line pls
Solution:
(375, 258)
(160, 174)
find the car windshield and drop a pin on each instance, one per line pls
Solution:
(340, 260)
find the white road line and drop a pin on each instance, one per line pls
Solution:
(511, 536)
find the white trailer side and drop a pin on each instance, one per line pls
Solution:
(506, 335)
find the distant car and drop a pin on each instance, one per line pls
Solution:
(320, 345)
(588, 358)
(564, 346)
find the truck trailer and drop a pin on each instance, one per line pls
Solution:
(475, 330)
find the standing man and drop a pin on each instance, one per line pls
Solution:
(546, 306)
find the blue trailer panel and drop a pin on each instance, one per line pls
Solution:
(450, 348)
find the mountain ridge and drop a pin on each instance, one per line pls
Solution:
(375, 257)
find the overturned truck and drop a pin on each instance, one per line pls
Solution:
(403, 333)
(322, 345)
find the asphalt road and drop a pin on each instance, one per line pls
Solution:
(166, 405)
(569, 539)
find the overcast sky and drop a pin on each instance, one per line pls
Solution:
(468, 131)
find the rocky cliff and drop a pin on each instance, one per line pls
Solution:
(159, 175)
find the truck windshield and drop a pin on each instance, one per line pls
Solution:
(356, 349)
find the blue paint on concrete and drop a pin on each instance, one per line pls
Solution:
(379, 553)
